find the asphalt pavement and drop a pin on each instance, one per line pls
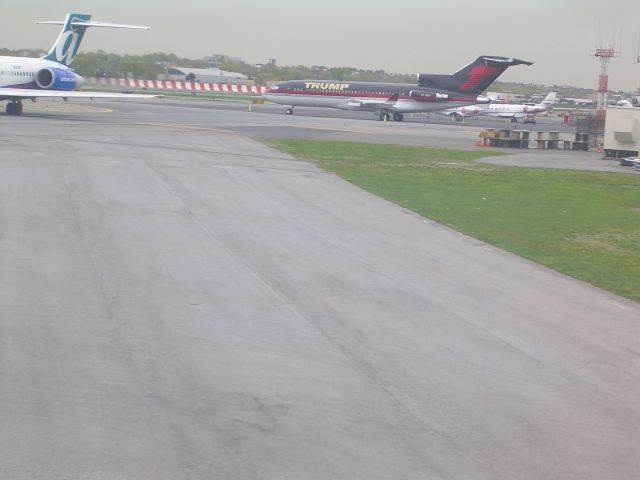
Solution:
(178, 301)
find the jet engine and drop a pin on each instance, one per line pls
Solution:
(57, 79)
(428, 96)
(635, 101)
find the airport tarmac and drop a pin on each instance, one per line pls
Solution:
(268, 121)
(179, 301)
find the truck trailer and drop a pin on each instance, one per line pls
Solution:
(622, 132)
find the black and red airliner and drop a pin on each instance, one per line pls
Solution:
(391, 100)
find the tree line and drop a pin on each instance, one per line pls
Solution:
(150, 66)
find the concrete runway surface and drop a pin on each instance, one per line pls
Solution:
(178, 301)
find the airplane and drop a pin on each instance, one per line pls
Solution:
(391, 100)
(623, 103)
(24, 78)
(512, 112)
(580, 102)
(634, 102)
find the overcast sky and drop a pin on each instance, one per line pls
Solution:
(404, 36)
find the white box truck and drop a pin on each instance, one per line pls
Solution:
(622, 132)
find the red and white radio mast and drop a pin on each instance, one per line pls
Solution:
(637, 56)
(604, 55)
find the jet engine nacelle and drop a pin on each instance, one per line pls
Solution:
(635, 101)
(428, 96)
(57, 79)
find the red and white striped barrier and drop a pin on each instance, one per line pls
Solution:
(177, 86)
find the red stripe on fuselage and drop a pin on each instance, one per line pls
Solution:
(348, 94)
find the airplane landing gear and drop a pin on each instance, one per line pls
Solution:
(288, 111)
(14, 108)
(386, 116)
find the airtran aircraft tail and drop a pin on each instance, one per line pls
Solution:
(473, 79)
(66, 47)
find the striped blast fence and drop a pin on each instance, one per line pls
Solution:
(171, 85)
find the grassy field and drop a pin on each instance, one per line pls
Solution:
(584, 224)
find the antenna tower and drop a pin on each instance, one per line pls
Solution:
(604, 54)
(636, 55)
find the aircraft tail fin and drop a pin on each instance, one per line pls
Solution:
(65, 48)
(474, 78)
(550, 99)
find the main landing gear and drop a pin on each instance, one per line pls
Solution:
(385, 117)
(14, 108)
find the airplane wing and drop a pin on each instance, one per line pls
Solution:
(367, 103)
(32, 93)
(502, 114)
(373, 104)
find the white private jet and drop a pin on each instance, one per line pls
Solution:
(511, 112)
(634, 102)
(579, 102)
(50, 76)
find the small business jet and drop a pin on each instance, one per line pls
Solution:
(509, 111)
(50, 76)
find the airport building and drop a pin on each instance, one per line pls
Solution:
(205, 75)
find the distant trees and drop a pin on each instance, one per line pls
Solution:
(22, 53)
(149, 66)
(103, 64)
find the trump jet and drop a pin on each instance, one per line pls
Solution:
(509, 111)
(392, 100)
(50, 76)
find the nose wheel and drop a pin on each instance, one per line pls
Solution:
(288, 111)
(14, 108)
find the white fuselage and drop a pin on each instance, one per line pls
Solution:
(505, 110)
(355, 102)
(508, 111)
(20, 72)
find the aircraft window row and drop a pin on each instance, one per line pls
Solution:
(18, 73)
(332, 91)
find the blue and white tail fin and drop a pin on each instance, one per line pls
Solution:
(66, 47)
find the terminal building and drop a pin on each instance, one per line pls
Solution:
(205, 75)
